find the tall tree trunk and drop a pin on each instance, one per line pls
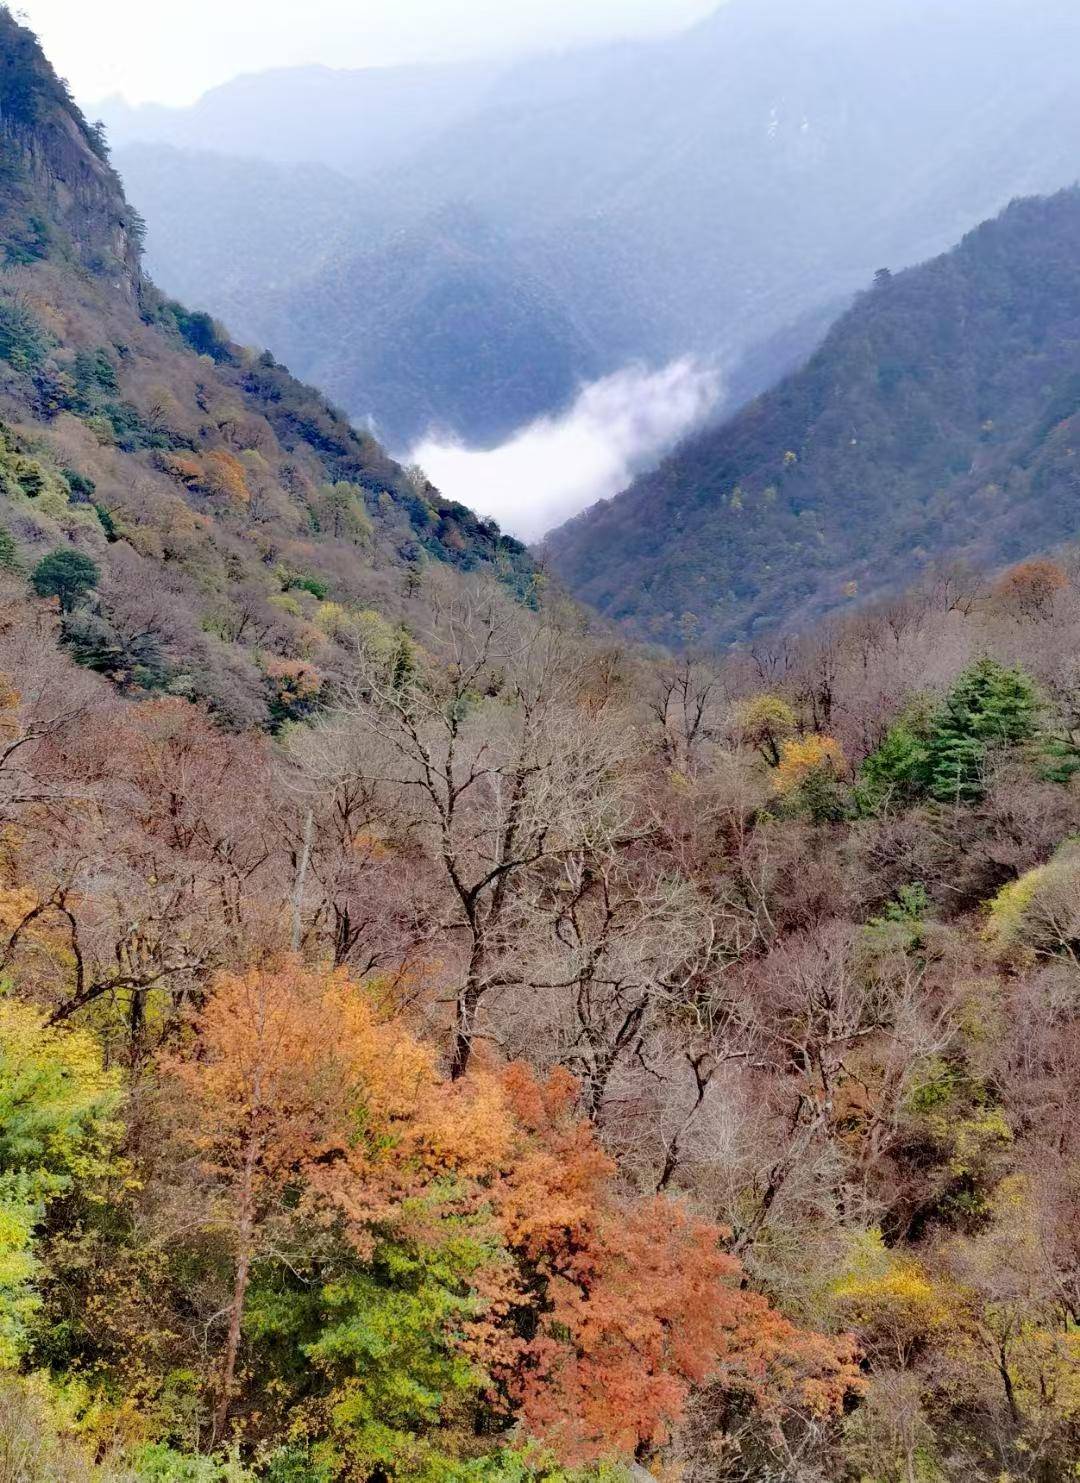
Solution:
(464, 1027)
(1007, 1381)
(301, 882)
(245, 1242)
(136, 1025)
(910, 1459)
(468, 1002)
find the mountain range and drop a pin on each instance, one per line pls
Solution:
(445, 1041)
(715, 194)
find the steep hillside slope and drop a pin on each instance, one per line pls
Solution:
(236, 521)
(941, 416)
(691, 195)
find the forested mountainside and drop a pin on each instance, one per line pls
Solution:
(546, 1065)
(940, 417)
(444, 324)
(442, 1044)
(231, 520)
(495, 346)
(695, 195)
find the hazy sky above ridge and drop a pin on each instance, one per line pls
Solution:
(152, 51)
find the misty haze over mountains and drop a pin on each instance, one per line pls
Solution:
(557, 465)
(478, 244)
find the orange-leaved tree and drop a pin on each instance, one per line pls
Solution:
(802, 756)
(594, 1313)
(267, 1090)
(1029, 589)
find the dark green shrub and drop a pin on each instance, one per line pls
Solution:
(301, 583)
(202, 333)
(899, 771)
(29, 241)
(93, 370)
(67, 574)
(82, 487)
(9, 556)
(108, 525)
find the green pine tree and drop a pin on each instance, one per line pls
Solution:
(990, 707)
(898, 772)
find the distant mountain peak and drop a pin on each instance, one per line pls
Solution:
(698, 194)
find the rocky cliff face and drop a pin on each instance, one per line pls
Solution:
(59, 196)
(81, 192)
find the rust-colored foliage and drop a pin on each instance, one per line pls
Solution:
(294, 678)
(268, 1085)
(1029, 588)
(640, 1301)
(182, 466)
(600, 1312)
(265, 1092)
(224, 477)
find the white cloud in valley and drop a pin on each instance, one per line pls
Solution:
(559, 465)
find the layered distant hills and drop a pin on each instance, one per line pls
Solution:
(712, 194)
(939, 418)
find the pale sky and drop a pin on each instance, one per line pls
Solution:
(170, 51)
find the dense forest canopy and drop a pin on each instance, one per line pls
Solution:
(545, 1057)
(441, 1042)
